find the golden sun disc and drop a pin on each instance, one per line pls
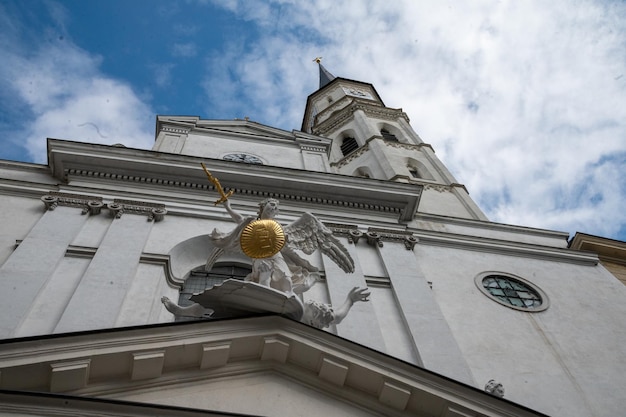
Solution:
(262, 239)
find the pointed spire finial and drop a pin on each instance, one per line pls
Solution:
(325, 76)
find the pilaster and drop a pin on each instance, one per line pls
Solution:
(360, 325)
(34, 261)
(314, 158)
(433, 339)
(98, 299)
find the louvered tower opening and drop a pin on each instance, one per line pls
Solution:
(348, 145)
(388, 136)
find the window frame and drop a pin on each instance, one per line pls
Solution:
(545, 301)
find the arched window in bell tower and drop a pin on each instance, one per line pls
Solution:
(388, 135)
(348, 145)
(418, 170)
(363, 172)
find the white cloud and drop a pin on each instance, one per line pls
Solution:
(524, 101)
(64, 95)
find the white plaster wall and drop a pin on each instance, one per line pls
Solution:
(267, 393)
(398, 158)
(176, 229)
(142, 303)
(395, 335)
(444, 203)
(17, 216)
(271, 153)
(494, 231)
(562, 361)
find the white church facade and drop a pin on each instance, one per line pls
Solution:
(92, 241)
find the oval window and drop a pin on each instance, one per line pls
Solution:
(513, 292)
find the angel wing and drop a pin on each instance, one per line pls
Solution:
(224, 241)
(308, 234)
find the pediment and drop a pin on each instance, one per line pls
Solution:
(240, 128)
(251, 365)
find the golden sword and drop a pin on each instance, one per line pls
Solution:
(218, 186)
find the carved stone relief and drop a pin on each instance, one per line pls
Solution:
(494, 388)
(172, 129)
(438, 188)
(88, 204)
(155, 212)
(94, 205)
(373, 236)
(342, 116)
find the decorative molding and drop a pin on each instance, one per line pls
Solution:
(149, 358)
(93, 205)
(438, 187)
(147, 365)
(136, 178)
(313, 148)
(342, 116)
(494, 388)
(359, 151)
(403, 145)
(155, 212)
(171, 129)
(351, 156)
(89, 204)
(399, 236)
(240, 191)
(352, 232)
(374, 236)
(373, 239)
(69, 375)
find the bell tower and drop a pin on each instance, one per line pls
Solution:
(375, 141)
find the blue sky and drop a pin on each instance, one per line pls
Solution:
(525, 102)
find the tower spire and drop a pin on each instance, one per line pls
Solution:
(325, 76)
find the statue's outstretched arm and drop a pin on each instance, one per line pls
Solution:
(355, 294)
(236, 216)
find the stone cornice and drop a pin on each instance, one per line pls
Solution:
(342, 116)
(102, 363)
(72, 161)
(173, 129)
(360, 151)
(505, 247)
(327, 200)
(408, 146)
(314, 148)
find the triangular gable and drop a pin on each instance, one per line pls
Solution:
(271, 354)
(236, 127)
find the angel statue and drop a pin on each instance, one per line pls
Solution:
(273, 247)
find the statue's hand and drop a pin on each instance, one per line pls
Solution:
(358, 294)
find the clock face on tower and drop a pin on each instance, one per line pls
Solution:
(242, 157)
(356, 92)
